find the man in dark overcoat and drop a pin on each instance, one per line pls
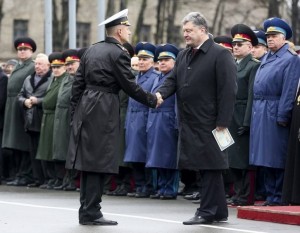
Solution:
(95, 134)
(30, 99)
(204, 79)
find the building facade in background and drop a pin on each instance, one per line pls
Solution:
(26, 18)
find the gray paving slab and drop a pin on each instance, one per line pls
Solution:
(32, 210)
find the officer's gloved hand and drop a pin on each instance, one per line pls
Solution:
(282, 124)
(243, 130)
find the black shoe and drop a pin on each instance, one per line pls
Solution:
(13, 182)
(197, 220)
(60, 187)
(33, 185)
(221, 220)
(100, 221)
(240, 203)
(121, 192)
(168, 197)
(142, 195)
(194, 196)
(155, 196)
(70, 187)
(198, 201)
(132, 194)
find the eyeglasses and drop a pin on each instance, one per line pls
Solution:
(238, 44)
(23, 49)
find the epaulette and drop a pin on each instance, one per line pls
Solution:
(293, 52)
(98, 42)
(122, 47)
(256, 60)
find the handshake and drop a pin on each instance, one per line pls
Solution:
(159, 99)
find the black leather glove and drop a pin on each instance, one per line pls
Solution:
(282, 124)
(244, 130)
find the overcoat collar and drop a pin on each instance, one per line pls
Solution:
(44, 79)
(25, 63)
(279, 53)
(244, 62)
(142, 78)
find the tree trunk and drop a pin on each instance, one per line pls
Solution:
(274, 8)
(295, 20)
(1, 12)
(110, 8)
(55, 28)
(171, 19)
(140, 22)
(216, 16)
(123, 4)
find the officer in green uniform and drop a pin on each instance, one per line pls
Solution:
(14, 136)
(243, 40)
(54, 168)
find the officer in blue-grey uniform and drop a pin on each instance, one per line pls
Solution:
(261, 49)
(274, 93)
(162, 131)
(136, 121)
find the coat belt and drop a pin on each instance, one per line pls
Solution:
(262, 97)
(103, 89)
(162, 110)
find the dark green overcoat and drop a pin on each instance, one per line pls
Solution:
(62, 127)
(45, 148)
(14, 135)
(238, 153)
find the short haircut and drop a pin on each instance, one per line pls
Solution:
(197, 19)
(42, 56)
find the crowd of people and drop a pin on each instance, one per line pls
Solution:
(136, 121)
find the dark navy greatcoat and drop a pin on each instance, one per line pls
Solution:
(205, 86)
(136, 121)
(162, 132)
(274, 92)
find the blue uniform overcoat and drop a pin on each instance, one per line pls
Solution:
(162, 132)
(274, 94)
(136, 121)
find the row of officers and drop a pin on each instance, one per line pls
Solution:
(37, 121)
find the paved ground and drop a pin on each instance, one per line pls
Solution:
(24, 210)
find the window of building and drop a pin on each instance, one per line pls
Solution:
(83, 32)
(145, 34)
(20, 28)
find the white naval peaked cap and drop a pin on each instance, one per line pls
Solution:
(119, 18)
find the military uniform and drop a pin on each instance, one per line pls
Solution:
(54, 169)
(14, 135)
(135, 126)
(274, 93)
(95, 133)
